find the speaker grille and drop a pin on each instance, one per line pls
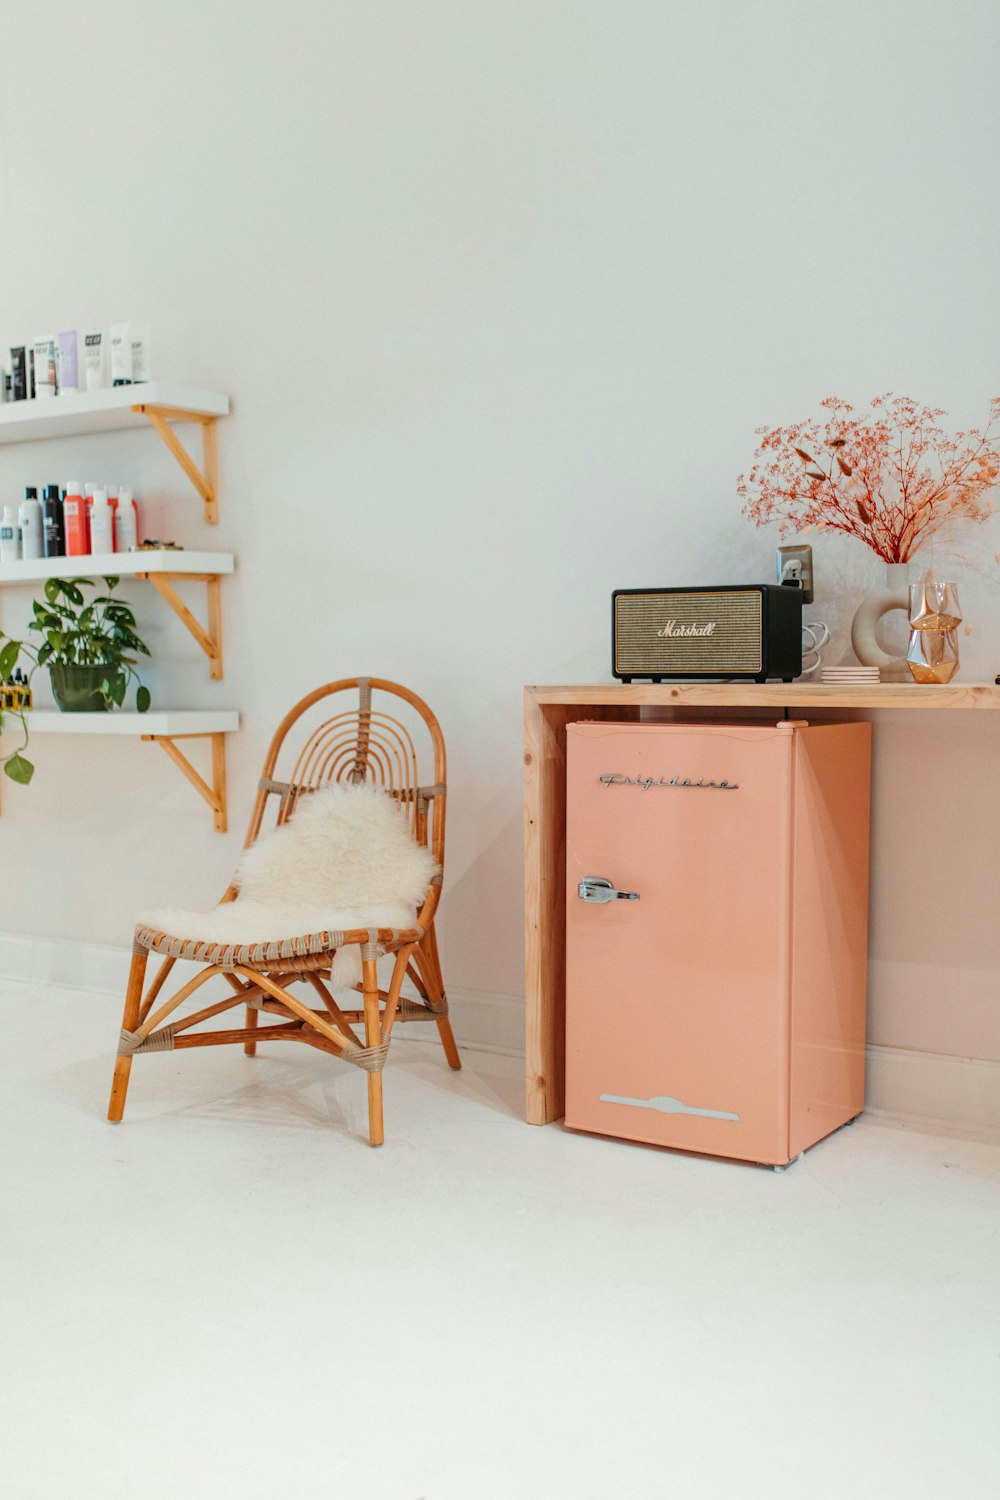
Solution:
(734, 645)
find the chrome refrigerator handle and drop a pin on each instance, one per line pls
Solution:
(596, 889)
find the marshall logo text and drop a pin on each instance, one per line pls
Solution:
(672, 629)
(613, 778)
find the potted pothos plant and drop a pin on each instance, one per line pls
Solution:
(90, 651)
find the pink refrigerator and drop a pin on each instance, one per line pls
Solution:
(717, 928)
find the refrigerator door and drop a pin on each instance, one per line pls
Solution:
(677, 982)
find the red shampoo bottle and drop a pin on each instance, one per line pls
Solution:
(75, 517)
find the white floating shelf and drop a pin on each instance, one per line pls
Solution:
(117, 564)
(163, 729)
(171, 722)
(80, 412)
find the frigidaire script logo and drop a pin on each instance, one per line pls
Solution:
(615, 778)
(671, 629)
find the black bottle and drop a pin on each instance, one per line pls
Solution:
(53, 543)
(19, 373)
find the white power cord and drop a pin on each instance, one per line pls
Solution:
(818, 635)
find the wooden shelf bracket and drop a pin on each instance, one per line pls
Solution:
(214, 795)
(209, 640)
(205, 479)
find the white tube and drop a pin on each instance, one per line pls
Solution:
(10, 535)
(45, 366)
(121, 354)
(95, 361)
(69, 379)
(140, 353)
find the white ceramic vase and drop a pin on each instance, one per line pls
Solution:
(895, 595)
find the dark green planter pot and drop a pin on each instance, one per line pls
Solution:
(77, 690)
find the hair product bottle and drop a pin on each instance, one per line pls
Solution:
(32, 530)
(67, 378)
(45, 366)
(75, 520)
(19, 373)
(95, 360)
(126, 522)
(113, 502)
(101, 524)
(52, 523)
(121, 354)
(10, 535)
(88, 505)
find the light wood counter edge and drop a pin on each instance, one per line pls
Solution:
(956, 695)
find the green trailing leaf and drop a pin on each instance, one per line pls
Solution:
(51, 590)
(8, 659)
(117, 690)
(72, 592)
(142, 699)
(19, 769)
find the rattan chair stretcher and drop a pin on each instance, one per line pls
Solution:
(360, 744)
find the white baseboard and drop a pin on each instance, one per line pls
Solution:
(47, 960)
(931, 1088)
(922, 1088)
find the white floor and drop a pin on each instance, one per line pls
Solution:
(231, 1295)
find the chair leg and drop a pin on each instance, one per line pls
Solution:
(449, 1044)
(373, 1036)
(130, 1019)
(429, 964)
(250, 1048)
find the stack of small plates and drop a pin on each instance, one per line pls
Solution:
(843, 676)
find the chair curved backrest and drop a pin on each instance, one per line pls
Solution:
(369, 737)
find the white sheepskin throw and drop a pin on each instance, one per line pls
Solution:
(346, 860)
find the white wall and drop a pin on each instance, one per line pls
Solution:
(501, 292)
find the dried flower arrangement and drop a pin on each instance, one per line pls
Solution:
(892, 478)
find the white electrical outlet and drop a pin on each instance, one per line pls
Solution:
(795, 565)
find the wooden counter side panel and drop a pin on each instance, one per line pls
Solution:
(545, 909)
(830, 930)
(545, 896)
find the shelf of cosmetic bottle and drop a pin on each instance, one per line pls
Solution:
(119, 564)
(170, 723)
(76, 413)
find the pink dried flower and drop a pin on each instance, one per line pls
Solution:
(892, 477)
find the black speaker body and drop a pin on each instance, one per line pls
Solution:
(747, 631)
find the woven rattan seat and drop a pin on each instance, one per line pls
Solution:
(362, 743)
(314, 950)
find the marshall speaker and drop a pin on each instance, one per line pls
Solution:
(736, 630)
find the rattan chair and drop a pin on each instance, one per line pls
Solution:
(363, 743)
